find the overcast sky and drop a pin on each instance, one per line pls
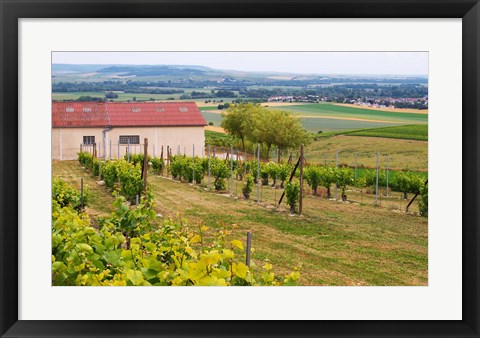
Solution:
(375, 63)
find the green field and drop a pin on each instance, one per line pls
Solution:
(326, 125)
(311, 124)
(209, 134)
(411, 132)
(328, 109)
(212, 117)
(138, 96)
(121, 96)
(322, 117)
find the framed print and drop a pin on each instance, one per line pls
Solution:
(275, 156)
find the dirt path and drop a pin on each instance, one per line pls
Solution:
(389, 110)
(216, 129)
(345, 118)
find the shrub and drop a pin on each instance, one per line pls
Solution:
(220, 172)
(273, 169)
(85, 159)
(327, 175)
(131, 183)
(283, 171)
(109, 173)
(344, 177)
(313, 176)
(65, 195)
(407, 182)
(247, 186)
(292, 192)
(251, 167)
(158, 164)
(423, 203)
(184, 168)
(95, 167)
(130, 248)
(264, 173)
(177, 167)
(136, 158)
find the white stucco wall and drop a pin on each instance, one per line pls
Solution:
(66, 141)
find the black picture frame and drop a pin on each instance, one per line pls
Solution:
(11, 11)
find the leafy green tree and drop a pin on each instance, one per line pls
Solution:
(238, 121)
(289, 131)
(274, 127)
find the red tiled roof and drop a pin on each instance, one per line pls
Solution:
(122, 114)
(79, 114)
(155, 114)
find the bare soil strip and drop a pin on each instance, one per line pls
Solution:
(390, 110)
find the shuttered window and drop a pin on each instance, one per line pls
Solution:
(88, 139)
(134, 139)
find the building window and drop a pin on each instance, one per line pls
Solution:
(88, 139)
(69, 109)
(134, 139)
(159, 109)
(136, 109)
(183, 109)
(87, 109)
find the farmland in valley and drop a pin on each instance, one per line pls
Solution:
(332, 110)
(327, 117)
(357, 216)
(412, 132)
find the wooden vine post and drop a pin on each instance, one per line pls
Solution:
(248, 248)
(290, 180)
(145, 166)
(300, 202)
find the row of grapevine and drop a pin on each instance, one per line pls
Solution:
(405, 182)
(119, 175)
(131, 247)
(194, 170)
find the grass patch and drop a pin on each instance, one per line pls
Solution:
(215, 134)
(328, 109)
(409, 132)
(404, 154)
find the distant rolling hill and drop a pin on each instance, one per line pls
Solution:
(106, 72)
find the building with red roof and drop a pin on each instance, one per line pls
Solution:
(114, 128)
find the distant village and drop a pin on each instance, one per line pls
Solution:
(389, 102)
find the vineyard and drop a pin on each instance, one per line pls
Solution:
(131, 247)
(200, 189)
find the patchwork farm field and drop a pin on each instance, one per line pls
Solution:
(335, 243)
(412, 132)
(310, 123)
(122, 97)
(332, 110)
(327, 117)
